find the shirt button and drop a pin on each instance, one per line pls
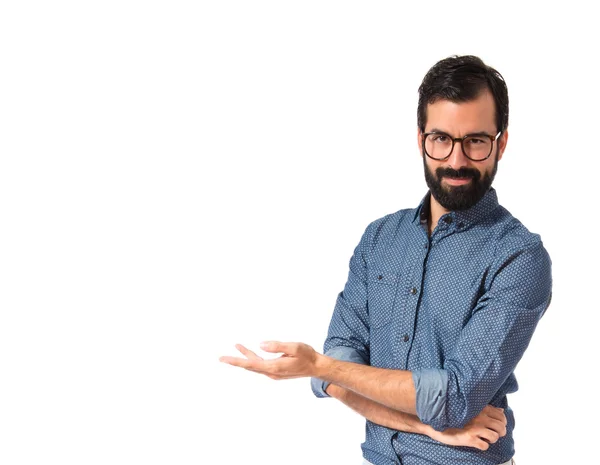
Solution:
(380, 277)
(405, 338)
(425, 246)
(461, 225)
(448, 220)
(413, 291)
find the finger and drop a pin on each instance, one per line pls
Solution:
(290, 348)
(243, 363)
(265, 367)
(481, 444)
(247, 352)
(488, 435)
(495, 425)
(487, 421)
(495, 412)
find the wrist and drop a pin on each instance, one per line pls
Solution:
(321, 366)
(427, 430)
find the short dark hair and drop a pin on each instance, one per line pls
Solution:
(462, 79)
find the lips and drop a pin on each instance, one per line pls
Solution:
(457, 181)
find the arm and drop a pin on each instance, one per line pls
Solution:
(518, 290)
(348, 335)
(487, 352)
(391, 388)
(378, 413)
(346, 349)
(485, 429)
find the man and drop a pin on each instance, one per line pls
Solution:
(441, 300)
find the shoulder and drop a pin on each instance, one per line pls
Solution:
(521, 262)
(388, 226)
(511, 235)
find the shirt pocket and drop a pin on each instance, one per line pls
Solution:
(381, 295)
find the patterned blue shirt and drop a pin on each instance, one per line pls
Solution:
(457, 308)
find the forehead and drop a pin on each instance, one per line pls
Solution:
(459, 118)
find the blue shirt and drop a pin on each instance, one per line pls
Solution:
(457, 309)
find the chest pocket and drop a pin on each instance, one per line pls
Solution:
(381, 294)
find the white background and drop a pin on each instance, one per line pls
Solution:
(177, 177)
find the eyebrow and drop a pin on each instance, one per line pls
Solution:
(480, 133)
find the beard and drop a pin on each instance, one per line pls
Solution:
(459, 197)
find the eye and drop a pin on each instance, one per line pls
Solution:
(441, 138)
(475, 141)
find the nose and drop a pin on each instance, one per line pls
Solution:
(457, 157)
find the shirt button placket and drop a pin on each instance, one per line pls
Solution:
(405, 337)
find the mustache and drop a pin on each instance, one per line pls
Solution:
(460, 173)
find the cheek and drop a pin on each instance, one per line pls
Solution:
(430, 164)
(429, 168)
(489, 166)
(487, 170)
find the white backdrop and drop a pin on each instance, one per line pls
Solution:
(177, 177)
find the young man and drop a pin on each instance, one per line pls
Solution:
(441, 300)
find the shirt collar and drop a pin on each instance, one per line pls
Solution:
(473, 215)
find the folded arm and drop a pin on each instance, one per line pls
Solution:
(518, 292)
(485, 429)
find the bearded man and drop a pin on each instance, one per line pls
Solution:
(441, 300)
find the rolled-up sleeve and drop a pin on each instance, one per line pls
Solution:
(431, 386)
(519, 290)
(348, 334)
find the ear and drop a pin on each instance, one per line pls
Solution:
(502, 141)
(420, 141)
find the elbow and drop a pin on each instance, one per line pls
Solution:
(441, 402)
(455, 414)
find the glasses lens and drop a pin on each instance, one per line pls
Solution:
(438, 146)
(477, 148)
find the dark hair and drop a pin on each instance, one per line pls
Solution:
(462, 79)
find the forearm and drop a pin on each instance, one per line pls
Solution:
(379, 414)
(391, 388)
(485, 429)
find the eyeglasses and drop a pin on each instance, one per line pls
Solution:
(476, 147)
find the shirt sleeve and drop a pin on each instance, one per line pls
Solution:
(348, 334)
(519, 290)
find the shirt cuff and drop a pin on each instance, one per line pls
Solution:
(343, 353)
(431, 387)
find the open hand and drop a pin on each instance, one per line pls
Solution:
(299, 360)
